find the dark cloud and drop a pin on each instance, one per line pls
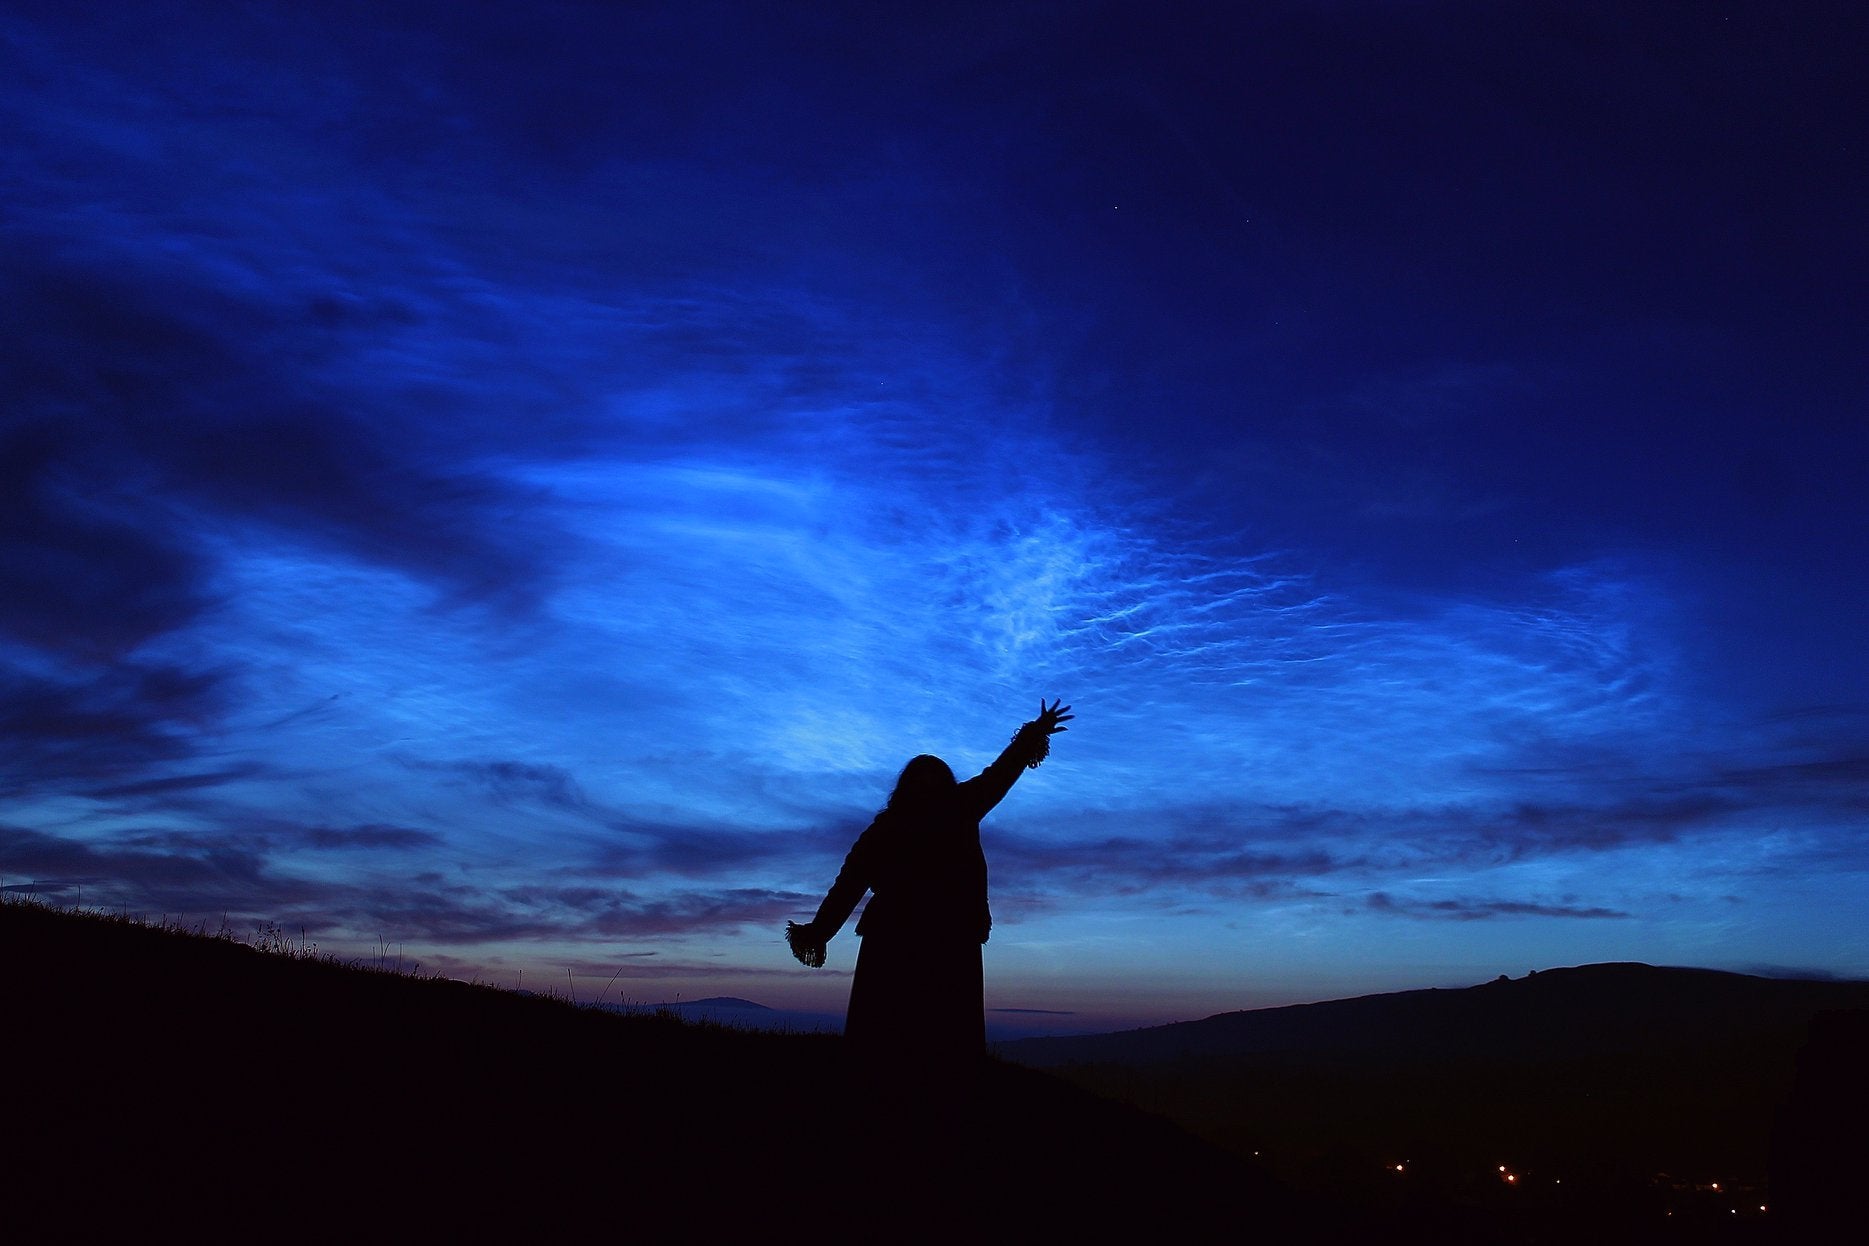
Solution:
(371, 837)
(1532, 827)
(464, 916)
(1284, 850)
(441, 917)
(508, 781)
(1264, 844)
(1838, 781)
(171, 784)
(706, 851)
(574, 899)
(77, 579)
(216, 875)
(1481, 910)
(116, 723)
(694, 912)
(1126, 864)
(152, 414)
(175, 398)
(1623, 801)
(315, 475)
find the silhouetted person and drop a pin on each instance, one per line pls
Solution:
(916, 1022)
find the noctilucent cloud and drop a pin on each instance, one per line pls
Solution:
(509, 486)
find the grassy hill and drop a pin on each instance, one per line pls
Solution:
(161, 1082)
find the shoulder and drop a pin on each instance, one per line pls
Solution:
(877, 829)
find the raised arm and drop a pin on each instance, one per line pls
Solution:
(1030, 745)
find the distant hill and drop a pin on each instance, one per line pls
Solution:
(1002, 1024)
(1612, 1074)
(163, 1084)
(1558, 1014)
(743, 1014)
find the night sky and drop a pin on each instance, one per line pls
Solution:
(512, 484)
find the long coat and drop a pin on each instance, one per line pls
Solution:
(915, 999)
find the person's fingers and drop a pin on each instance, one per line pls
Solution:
(1055, 713)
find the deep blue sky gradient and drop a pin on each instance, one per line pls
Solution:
(514, 483)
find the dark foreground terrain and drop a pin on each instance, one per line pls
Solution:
(163, 1084)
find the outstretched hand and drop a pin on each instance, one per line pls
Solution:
(1050, 716)
(807, 945)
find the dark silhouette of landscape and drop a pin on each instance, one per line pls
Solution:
(166, 1081)
(1601, 1095)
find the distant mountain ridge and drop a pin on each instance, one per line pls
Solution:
(1566, 1013)
(1002, 1024)
(744, 1014)
(1663, 1092)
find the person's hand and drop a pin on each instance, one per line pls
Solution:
(806, 944)
(1050, 716)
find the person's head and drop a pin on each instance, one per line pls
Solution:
(925, 781)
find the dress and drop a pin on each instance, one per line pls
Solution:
(915, 998)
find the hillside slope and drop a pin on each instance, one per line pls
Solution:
(161, 1082)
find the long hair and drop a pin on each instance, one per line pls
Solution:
(914, 854)
(925, 786)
